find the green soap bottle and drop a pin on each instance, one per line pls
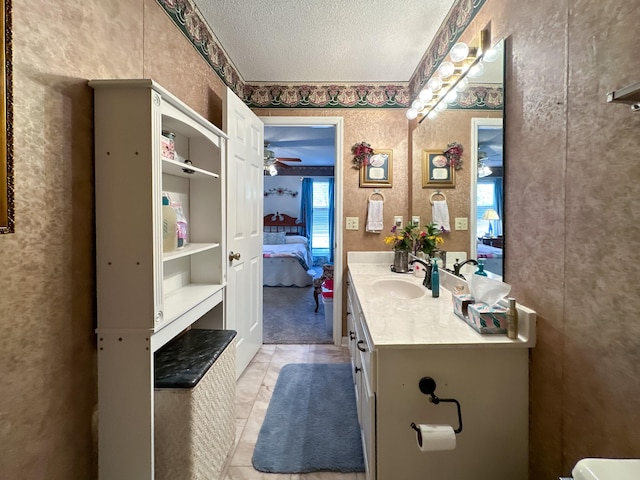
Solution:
(480, 270)
(435, 279)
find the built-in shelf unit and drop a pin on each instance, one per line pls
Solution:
(146, 297)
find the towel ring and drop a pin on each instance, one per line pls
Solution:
(376, 193)
(437, 192)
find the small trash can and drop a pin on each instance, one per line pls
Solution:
(327, 301)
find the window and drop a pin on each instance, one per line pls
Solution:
(320, 233)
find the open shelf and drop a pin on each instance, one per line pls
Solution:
(189, 249)
(173, 167)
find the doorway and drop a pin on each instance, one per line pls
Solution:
(337, 124)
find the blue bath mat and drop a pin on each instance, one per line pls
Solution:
(311, 423)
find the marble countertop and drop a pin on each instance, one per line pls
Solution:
(423, 321)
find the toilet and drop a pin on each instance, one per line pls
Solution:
(607, 469)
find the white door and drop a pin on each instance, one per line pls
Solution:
(244, 226)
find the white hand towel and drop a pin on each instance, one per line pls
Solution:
(374, 216)
(440, 212)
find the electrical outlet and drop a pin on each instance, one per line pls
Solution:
(415, 219)
(462, 223)
(353, 223)
(397, 221)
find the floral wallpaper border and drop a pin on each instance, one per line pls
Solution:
(479, 97)
(188, 19)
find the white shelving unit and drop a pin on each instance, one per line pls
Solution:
(147, 297)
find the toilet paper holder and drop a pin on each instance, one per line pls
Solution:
(427, 386)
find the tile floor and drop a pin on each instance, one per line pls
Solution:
(253, 393)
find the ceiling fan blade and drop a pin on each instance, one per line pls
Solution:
(279, 164)
(288, 159)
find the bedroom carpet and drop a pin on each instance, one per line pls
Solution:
(311, 423)
(289, 317)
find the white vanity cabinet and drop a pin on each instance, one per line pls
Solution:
(146, 297)
(394, 343)
(363, 368)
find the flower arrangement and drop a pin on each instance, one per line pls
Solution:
(412, 239)
(453, 152)
(403, 240)
(362, 152)
(429, 240)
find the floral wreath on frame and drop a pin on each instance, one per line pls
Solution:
(362, 153)
(453, 153)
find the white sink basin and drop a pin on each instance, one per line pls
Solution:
(398, 288)
(607, 469)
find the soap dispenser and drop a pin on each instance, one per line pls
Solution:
(435, 279)
(480, 270)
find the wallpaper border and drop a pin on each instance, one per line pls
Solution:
(188, 19)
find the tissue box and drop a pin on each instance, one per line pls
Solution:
(486, 319)
(461, 304)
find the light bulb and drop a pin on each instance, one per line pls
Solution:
(477, 70)
(441, 106)
(426, 95)
(432, 114)
(417, 104)
(272, 170)
(412, 113)
(492, 54)
(459, 52)
(451, 97)
(461, 86)
(446, 69)
(435, 83)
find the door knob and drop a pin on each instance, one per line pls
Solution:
(234, 256)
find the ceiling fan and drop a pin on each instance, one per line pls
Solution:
(270, 159)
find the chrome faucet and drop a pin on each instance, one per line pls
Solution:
(457, 266)
(427, 272)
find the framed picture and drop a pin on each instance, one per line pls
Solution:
(379, 172)
(6, 127)
(435, 171)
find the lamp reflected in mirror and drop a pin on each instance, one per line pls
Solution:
(491, 215)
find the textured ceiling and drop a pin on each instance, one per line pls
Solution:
(297, 41)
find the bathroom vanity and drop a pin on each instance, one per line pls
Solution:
(398, 336)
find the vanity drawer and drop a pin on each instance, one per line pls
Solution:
(367, 418)
(364, 350)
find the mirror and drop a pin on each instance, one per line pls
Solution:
(475, 121)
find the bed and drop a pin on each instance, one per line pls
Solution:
(286, 254)
(492, 257)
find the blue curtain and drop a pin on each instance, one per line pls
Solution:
(499, 204)
(306, 207)
(331, 219)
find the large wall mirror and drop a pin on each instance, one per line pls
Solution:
(475, 200)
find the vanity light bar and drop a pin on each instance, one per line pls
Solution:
(435, 105)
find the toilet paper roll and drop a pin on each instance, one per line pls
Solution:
(432, 438)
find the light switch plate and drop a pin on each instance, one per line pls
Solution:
(415, 219)
(397, 221)
(353, 223)
(462, 223)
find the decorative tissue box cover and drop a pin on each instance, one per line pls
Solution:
(486, 319)
(461, 304)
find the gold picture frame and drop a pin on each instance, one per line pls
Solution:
(379, 172)
(6, 124)
(436, 171)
